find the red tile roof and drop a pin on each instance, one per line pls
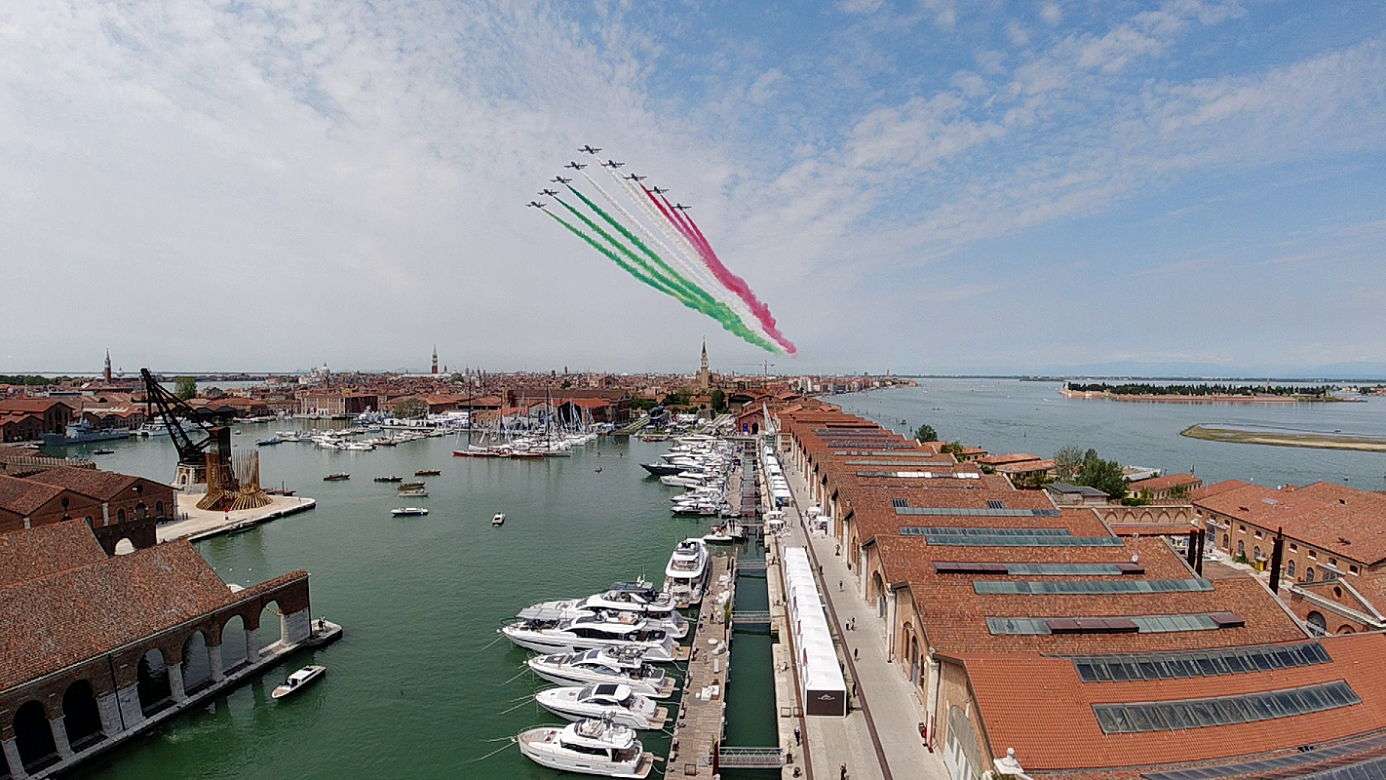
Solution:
(1039, 707)
(25, 496)
(1164, 483)
(47, 549)
(1337, 519)
(101, 485)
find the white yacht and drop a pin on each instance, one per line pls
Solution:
(611, 701)
(626, 666)
(687, 572)
(592, 630)
(590, 747)
(639, 598)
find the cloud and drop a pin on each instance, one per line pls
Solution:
(1051, 14)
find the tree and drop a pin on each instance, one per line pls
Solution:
(410, 408)
(719, 400)
(1068, 462)
(952, 448)
(1105, 475)
(185, 387)
(925, 433)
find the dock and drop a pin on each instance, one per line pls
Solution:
(698, 730)
(196, 524)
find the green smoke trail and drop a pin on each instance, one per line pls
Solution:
(656, 280)
(688, 287)
(719, 312)
(707, 304)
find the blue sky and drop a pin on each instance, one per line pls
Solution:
(927, 186)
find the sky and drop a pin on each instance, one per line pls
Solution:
(927, 186)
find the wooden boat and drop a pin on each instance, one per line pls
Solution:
(338, 477)
(427, 473)
(298, 680)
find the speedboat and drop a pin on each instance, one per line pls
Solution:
(626, 666)
(686, 574)
(298, 680)
(594, 630)
(409, 511)
(338, 477)
(498, 518)
(390, 478)
(661, 469)
(612, 701)
(590, 747)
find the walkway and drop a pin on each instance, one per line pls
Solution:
(201, 523)
(701, 709)
(880, 738)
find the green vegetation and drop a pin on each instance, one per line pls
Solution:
(925, 433)
(1105, 475)
(1068, 461)
(952, 448)
(643, 404)
(679, 398)
(32, 380)
(185, 387)
(719, 401)
(410, 408)
(1199, 390)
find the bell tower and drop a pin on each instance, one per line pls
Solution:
(704, 376)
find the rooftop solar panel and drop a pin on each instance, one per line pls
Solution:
(1089, 587)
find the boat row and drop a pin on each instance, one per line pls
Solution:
(602, 651)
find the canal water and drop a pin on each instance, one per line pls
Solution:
(419, 686)
(1008, 415)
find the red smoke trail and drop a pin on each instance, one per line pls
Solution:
(724, 275)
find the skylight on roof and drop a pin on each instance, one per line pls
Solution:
(1121, 667)
(1223, 710)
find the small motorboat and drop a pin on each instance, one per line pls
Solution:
(409, 511)
(298, 680)
(338, 477)
(592, 747)
(391, 478)
(427, 473)
(598, 469)
(103, 451)
(498, 518)
(417, 492)
(410, 485)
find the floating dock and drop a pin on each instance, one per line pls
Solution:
(698, 730)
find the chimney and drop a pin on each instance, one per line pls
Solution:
(1193, 549)
(1277, 550)
(1198, 559)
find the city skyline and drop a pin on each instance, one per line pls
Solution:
(924, 187)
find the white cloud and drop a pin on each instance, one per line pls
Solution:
(1051, 14)
(766, 85)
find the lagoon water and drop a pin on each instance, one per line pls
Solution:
(1008, 415)
(419, 687)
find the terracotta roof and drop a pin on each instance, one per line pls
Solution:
(1024, 466)
(25, 496)
(1014, 457)
(1039, 707)
(101, 485)
(47, 549)
(1334, 518)
(1165, 483)
(1217, 487)
(1151, 529)
(38, 405)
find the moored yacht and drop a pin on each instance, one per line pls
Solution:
(686, 574)
(624, 597)
(593, 630)
(626, 666)
(612, 701)
(590, 747)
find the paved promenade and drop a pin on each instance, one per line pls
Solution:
(202, 523)
(880, 738)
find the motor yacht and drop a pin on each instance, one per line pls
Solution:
(593, 630)
(622, 597)
(626, 666)
(592, 747)
(409, 511)
(611, 701)
(686, 574)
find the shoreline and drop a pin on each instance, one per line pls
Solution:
(1324, 441)
(1099, 395)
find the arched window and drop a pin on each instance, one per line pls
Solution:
(1241, 548)
(1309, 574)
(159, 509)
(120, 515)
(1256, 552)
(1290, 569)
(1317, 625)
(1225, 542)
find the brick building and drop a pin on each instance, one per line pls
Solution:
(25, 419)
(98, 648)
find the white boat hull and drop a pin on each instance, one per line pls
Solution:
(546, 754)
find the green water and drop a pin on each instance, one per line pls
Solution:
(418, 687)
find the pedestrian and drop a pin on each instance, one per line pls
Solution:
(839, 586)
(855, 657)
(842, 772)
(798, 737)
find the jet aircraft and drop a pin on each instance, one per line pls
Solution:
(534, 204)
(559, 180)
(577, 166)
(590, 149)
(682, 207)
(659, 190)
(633, 177)
(549, 193)
(612, 164)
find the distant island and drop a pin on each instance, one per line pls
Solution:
(1327, 441)
(1200, 393)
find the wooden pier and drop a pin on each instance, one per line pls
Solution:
(698, 730)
